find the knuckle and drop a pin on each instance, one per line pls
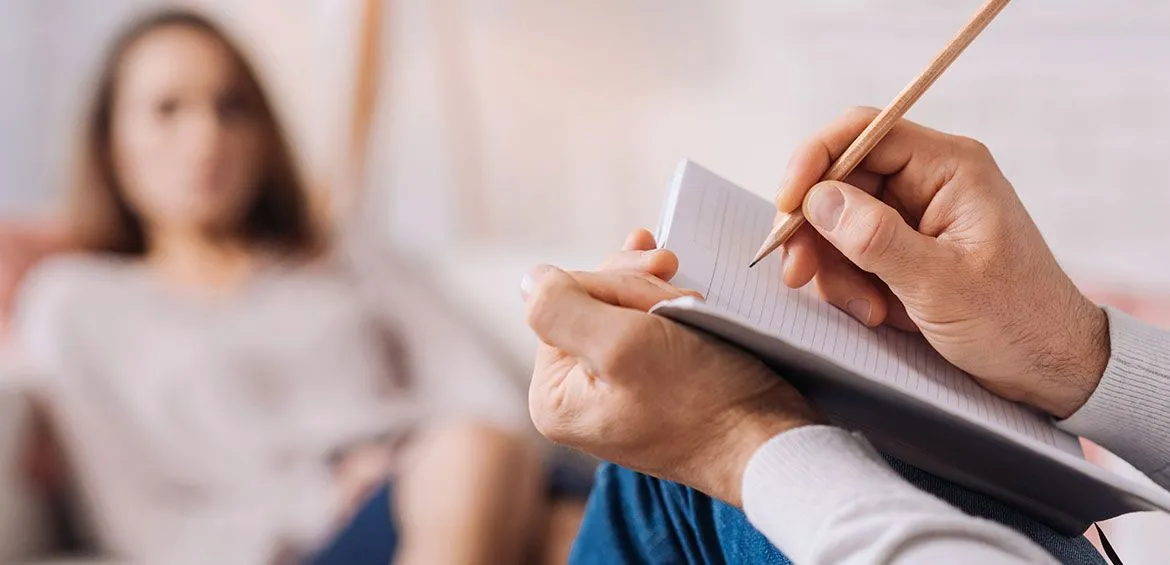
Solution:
(874, 236)
(976, 165)
(972, 147)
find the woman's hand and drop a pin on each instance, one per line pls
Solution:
(642, 391)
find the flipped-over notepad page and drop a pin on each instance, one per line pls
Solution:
(715, 228)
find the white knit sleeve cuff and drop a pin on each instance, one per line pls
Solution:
(797, 481)
(1129, 412)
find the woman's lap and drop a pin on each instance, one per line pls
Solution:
(371, 535)
(633, 518)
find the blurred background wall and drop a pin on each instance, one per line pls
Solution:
(500, 110)
(493, 113)
(50, 50)
(506, 132)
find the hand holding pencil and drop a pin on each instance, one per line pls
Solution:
(790, 220)
(928, 235)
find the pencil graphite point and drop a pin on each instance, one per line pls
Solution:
(769, 246)
(777, 237)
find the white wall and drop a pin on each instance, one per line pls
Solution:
(50, 51)
(45, 49)
(525, 124)
(16, 106)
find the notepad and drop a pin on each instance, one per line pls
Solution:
(889, 384)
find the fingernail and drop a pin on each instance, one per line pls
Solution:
(825, 205)
(859, 308)
(530, 279)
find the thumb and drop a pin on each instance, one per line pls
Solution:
(868, 232)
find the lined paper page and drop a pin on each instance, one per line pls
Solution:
(716, 228)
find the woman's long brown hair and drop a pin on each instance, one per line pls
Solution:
(102, 219)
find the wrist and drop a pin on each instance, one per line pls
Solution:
(1080, 353)
(744, 440)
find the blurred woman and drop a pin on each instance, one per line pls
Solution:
(231, 385)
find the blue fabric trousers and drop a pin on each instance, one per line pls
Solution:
(370, 538)
(634, 518)
(371, 535)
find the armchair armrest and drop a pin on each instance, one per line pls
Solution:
(24, 531)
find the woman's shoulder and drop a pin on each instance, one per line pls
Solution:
(76, 272)
(68, 280)
(55, 295)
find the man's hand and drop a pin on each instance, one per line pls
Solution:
(928, 235)
(642, 391)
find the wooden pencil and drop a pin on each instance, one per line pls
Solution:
(884, 122)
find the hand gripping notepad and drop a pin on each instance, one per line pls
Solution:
(890, 385)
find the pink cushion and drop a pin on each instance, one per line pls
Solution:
(21, 246)
(1150, 307)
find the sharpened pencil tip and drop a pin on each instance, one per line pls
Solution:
(769, 246)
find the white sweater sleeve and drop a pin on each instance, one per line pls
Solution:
(824, 495)
(1129, 412)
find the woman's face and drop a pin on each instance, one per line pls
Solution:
(188, 140)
